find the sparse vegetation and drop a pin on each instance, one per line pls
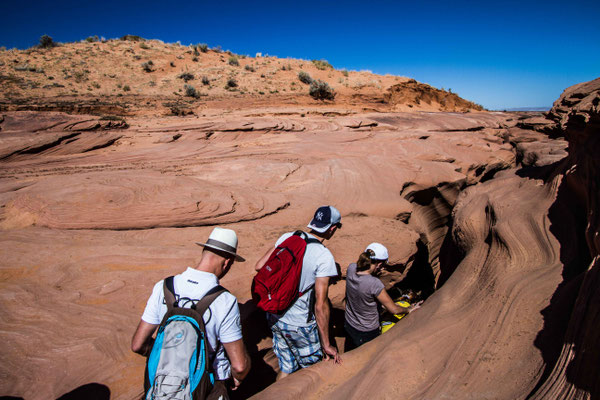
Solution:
(92, 39)
(191, 91)
(233, 60)
(304, 77)
(249, 68)
(203, 47)
(231, 83)
(345, 73)
(144, 46)
(46, 42)
(320, 90)
(126, 88)
(322, 64)
(205, 80)
(186, 76)
(148, 66)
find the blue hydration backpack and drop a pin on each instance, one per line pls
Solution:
(179, 366)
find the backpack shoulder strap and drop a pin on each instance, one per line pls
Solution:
(306, 238)
(208, 298)
(169, 293)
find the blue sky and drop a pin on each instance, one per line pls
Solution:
(498, 54)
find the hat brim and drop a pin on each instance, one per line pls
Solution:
(321, 229)
(237, 257)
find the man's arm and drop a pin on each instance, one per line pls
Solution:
(142, 341)
(239, 359)
(322, 312)
(260, 263)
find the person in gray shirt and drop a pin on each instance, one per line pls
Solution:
(363, 291)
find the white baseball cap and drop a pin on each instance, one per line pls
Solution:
(381, 253)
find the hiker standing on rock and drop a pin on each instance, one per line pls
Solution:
(180, 301)
(363, 291)
(300, 329)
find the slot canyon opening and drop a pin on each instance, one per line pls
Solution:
(419, 278)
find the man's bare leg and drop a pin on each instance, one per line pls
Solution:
(281, 375)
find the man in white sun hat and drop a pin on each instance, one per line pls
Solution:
(363, 291)
(301, 333)
(222, 317)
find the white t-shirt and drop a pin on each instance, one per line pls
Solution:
(222, 318)
(318, 262)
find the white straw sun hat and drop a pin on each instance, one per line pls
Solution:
(224, 240)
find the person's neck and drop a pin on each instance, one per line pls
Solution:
(322, 236)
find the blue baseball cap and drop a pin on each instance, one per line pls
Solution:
(324, 218)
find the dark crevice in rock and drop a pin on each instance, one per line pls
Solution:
(43, 147)
(103, 145)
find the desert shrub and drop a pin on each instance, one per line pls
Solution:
(345, 73)
(217, 49)
(186, 76)
(203, 47)
(249, 68)
(320, 90)
(172, 64)
(322, 64)
(132, 38)
(46, 42)
(195, 59)
(126, 88)
(191, 91)
(205, 80)
(148, 66)
(137, 57)
(144, 46)
(304, 77)
(233, 60)
(286, 68)
(231, 83)
(92, 39)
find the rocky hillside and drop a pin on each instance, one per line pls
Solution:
(128, 75)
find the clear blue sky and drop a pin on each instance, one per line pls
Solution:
(500, 54)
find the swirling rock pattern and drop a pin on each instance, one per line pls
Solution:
(87, 225)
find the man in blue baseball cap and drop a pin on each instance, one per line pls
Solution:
(301, 336)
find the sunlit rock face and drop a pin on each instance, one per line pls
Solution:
(515, 314)
(492, 216)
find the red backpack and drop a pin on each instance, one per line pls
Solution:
(276, 285)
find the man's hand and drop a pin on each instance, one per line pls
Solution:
(331, 352)
(236, 384)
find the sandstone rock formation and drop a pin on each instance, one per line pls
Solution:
(413, 94)
(492, 216)
(517, 316)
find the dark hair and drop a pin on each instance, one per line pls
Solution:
(364, 260)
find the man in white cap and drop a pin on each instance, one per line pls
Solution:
(301, 334)
(222, 318)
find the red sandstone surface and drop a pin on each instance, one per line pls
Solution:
(494, 215)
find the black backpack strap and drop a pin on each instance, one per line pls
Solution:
(169, 293)
(207, 300)
(306, 238)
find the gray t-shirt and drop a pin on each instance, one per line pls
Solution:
(318, 262)
(361, 300)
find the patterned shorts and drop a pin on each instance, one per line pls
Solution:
(296, 346)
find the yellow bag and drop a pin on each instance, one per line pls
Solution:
(387, 325)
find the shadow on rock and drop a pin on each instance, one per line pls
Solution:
(91, 391)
